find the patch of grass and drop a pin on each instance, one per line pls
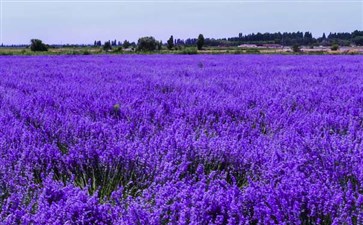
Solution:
(252, 51)
(117, 50)
(6, 53)
(188, 51)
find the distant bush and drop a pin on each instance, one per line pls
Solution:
(147, 44)
(6, 53)
(334, 47)
(189, 51)
(296, 48)
(37, 45)
(118, 50)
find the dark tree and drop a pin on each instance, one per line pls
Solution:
(37, 45)
(170, 43)
(98, 43)
(358, 40)
(147, 44)
(200, 41)
(357, 33)
(126, 44)
(107, 46)
(324, 36)
(179, 42)
(296, 48)
(308, 38)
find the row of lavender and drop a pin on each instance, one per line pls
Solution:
(181, 139)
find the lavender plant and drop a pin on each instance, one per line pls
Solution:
(159, 139)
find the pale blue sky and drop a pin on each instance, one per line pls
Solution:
(67, 21)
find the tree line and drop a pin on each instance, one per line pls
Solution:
(284, 39)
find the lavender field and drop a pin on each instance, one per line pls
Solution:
(168, 139)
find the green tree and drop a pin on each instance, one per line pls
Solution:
(358, 40)
(170, 42)
(200, 41)
(37, 45)
(334, 47)
(147, 44)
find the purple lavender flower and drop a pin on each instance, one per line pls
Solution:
(160, 140)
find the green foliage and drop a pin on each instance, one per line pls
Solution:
(63, 148)
(170, 42)
(72, 52)
(118, 50)
(252, 51)
(107, 46)
(200, 41)
(358, 40)
(37, 45)
(296, 48)
(344, 42)
(6, 53)
(147, 44)
(189, 51)
(334, 47)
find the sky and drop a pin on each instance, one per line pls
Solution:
(83, 22)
